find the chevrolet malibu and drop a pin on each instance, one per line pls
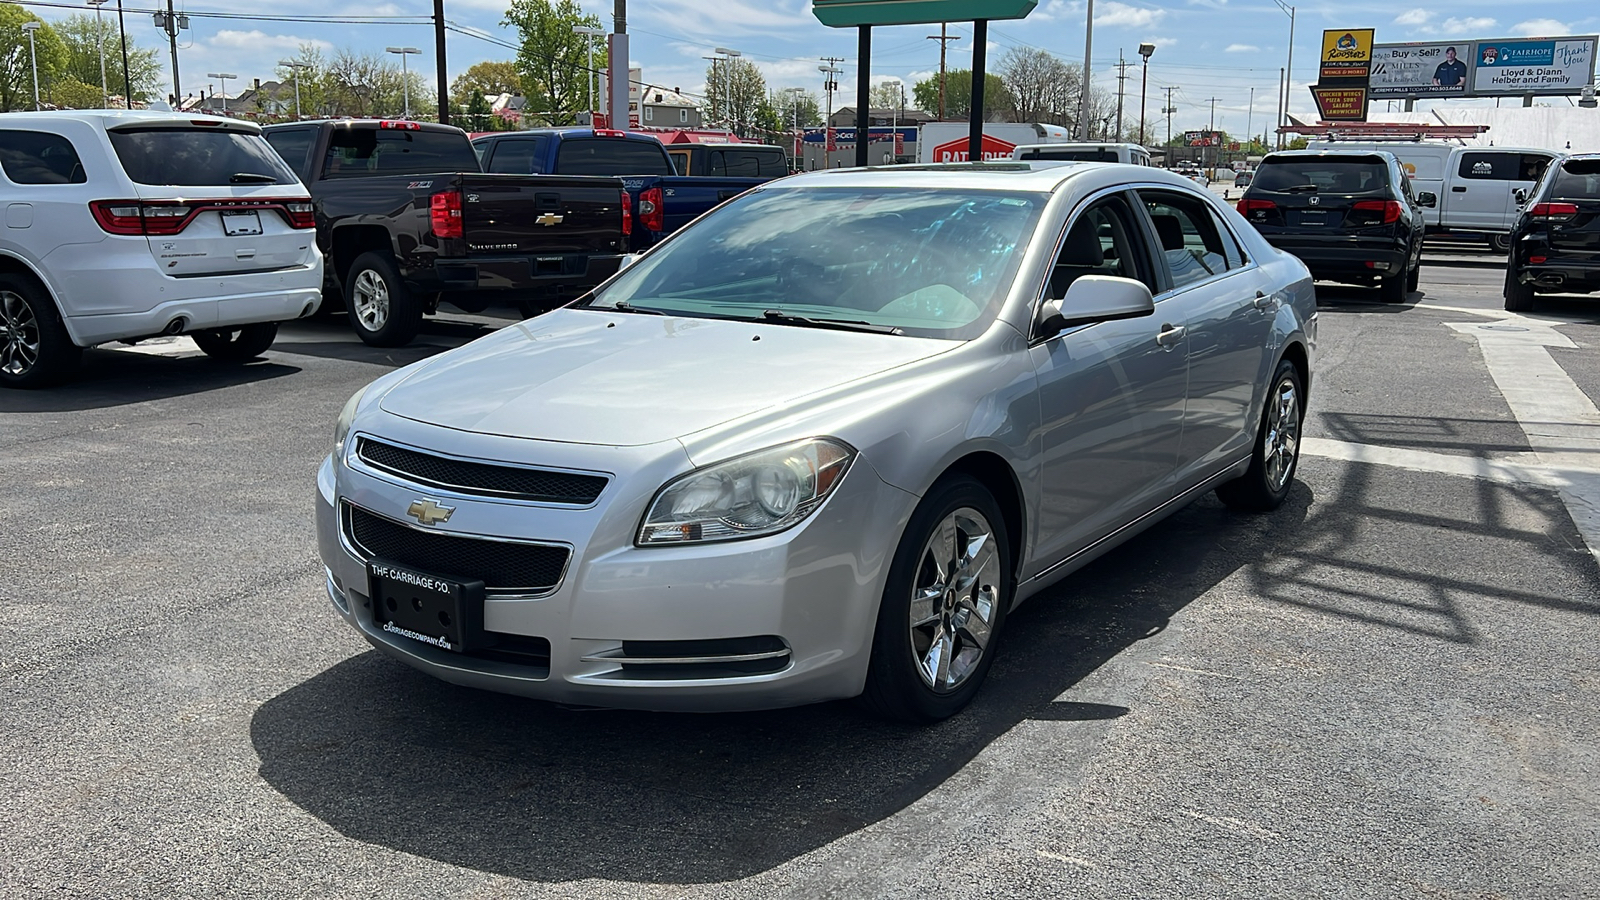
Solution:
(820, 443)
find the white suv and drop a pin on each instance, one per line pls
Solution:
(126, 225)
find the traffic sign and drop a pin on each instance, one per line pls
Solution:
(850, 13)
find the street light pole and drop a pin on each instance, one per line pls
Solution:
(1288, 71)
(29, 28)
(405, 75)
(727, 80)
(295, 67)
(1146, 51)
(1088, 49)
(589, 34)
(100, 47)
(799, 136)
(223, 78)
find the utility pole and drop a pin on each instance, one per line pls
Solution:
(127, 80)
(1122, 76)
(100, 44)
(1281, 95)
(1213, 129)
(172, 23)
(1169, 109)
(830, 85)
(1088, 52)
(1250, 118)
(438, 62)
(944, 38)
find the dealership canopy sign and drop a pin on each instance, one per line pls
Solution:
(1495, 68)
(850, 13)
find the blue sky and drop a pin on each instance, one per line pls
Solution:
(1206, 48)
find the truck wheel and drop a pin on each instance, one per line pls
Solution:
(236, 344)
(382, 311)
(35, 350)
(1500, 242)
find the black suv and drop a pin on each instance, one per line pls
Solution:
(1555, 245)
(1350, 216)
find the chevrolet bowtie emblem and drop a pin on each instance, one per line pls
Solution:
(549, 219)
(429, 513)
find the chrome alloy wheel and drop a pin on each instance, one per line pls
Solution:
(19, 335)
(372, 300)
(955, 599)
(1282, 436)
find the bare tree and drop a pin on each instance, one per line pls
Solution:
(1042, 87)
(736, 95)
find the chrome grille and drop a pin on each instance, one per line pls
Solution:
(490, 479)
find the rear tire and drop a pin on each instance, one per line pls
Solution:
(35, 350)
(1393, 288)
(239, 344)
(1414, 278)
(381, 310)
(1265, 485)
(1519, 296)
(943, 606)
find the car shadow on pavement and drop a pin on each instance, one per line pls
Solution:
(526, 789)
(1353, 298)
(110, 378)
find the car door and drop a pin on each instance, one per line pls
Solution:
(1228, 304)
(1111, 394)
(1480, 192)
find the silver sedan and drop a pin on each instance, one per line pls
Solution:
(818, 444)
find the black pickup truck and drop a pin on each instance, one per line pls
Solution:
(406, 219)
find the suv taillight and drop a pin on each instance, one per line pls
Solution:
(627, 213)
(652, 212)
(1389, 208)
(1553, 212)
(301, 214)
(141, 217)
(444, 212)
(1247, 206)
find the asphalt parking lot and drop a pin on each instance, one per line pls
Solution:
(1389, 687)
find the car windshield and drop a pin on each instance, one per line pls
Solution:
(1322, 174)
(927, 263)
(1578, 179)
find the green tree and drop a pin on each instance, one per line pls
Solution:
(553, 61)
(486, 78)
(997, 100)
(16, 60)
(86, 39)
(785, 102)
(735, 94)
(70, 93)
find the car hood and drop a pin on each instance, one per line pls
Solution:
(620, 379)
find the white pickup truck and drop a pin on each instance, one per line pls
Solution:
(1473, 190)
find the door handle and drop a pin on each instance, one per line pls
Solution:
(1170, 335)
(1458, 190)
(1264, 301)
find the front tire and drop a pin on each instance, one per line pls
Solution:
(1277, 454)
(1500, 242)
(35, 349)
(946, 598)
(382, 311)
(239, 344)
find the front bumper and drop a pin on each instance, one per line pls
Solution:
(814, 589)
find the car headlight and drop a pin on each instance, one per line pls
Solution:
(341, 428)
(759, 494)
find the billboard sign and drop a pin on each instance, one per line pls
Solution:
(1538, 66)
(1202, 138)
(1421, 70)
(1341, 104)
(1346, 53)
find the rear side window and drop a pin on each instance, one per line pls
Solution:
(1322, 174)
(195, 157)
(1190, 243)
(611, 156)
(518, 157)
(1490, 166)
(38, 157)
(1097, 154)
(747, 163)
(1533, 166)
(375, 151)
(1577, 179)
(293, 145)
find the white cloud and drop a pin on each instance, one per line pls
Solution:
(1413, 17)
(1540, 27)
(1112, 13)
(1471, 25)
(1242, 48)
(1057, 9)
(260, 40)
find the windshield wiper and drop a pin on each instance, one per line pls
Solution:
(251, 178)
(626, 307)
(1300, 189)
(783, 318)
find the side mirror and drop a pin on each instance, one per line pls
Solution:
(627, 260)
(1428, 199)
(1095, 298)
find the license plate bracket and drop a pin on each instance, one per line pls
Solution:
(436, 610)
(241, 223)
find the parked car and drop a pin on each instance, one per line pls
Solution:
(729, 160)
(407, 220)
(1475, 189)
(1131, 154)
(1555, 246)
(1349, 215)
(1243, 177)
(972, 381)
(663, 201)
(1196, 176)
(128, 225)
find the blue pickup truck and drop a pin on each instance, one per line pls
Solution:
(663, 200)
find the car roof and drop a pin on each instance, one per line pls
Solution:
(112, 118)
(1041, 176)
(351, 121)
(1313, 154)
